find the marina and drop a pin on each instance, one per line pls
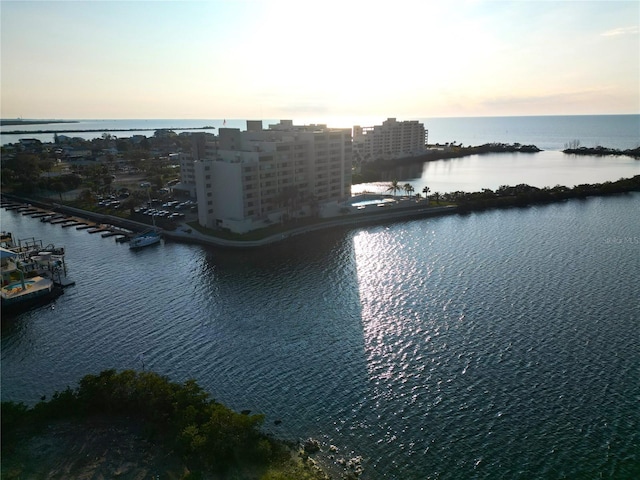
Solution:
(68, 221)
(32, 273)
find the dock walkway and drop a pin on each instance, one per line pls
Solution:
(68, 221)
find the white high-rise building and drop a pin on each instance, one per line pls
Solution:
(390, 140)
(268, 175)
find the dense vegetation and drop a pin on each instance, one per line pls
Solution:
(42, 168)
(206, 434)
(601, 151)
(27, 173)
(523, 195)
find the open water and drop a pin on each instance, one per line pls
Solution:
(502, 344)
(547, 132)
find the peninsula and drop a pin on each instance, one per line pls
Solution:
(18, 121)
(602, 151)
(96, 130)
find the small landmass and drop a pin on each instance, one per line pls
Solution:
(601, 151)
(140, 425)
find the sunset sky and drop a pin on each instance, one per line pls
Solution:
(318, 60)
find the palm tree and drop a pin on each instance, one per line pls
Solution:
(288, 197)
(394, 187)
(436, 197)
(408, 188)
(426, 191)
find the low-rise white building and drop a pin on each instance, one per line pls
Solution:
(258, 176)
(390, 140)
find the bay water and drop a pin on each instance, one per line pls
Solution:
(502, 344)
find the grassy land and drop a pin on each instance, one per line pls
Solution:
(257, 234)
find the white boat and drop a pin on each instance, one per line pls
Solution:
(150, 237)
(145, 239)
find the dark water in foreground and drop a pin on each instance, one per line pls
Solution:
(503, 344)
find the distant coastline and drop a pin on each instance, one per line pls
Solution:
(19, 121)
(602, 151)
(93, 130)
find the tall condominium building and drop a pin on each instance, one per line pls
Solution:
(392, 139)
(261, 175)
(203, 145)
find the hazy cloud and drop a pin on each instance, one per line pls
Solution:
(540, 98)
(621, 31)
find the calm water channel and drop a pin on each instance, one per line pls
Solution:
(502, 344)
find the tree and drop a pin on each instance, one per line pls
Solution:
(22, 171)
(288, 197)
(58, 187)
(394, 187)
(86, 196)
(314, 205)
(426, 191)
(408, 188)
(436, 197)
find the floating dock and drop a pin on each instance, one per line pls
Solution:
(68, 221)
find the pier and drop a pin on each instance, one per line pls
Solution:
(68, 221)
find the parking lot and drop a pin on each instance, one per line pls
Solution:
(172, 210)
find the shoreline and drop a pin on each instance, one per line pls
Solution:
(97, 130)
(15, 122)
(188, 234)
(346, 221)
(401, 209)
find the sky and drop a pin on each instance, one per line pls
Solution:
(317, 60)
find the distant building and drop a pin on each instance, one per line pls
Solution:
(390, 140)
(255, 176)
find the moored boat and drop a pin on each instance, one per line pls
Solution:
(145, 239)
(30, 272)
(27, 292)
(148, 238)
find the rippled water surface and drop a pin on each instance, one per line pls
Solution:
(503, 344)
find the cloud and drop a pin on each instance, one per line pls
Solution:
(621, 31)
(583, 101)
(540, 98)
